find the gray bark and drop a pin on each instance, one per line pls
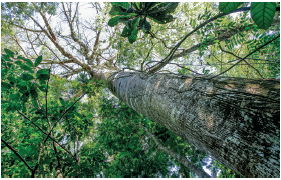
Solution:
(234, 120)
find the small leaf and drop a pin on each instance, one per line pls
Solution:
(9, 52)
(62, 101)
(38, 61)
(18, 62)
(42, 74)
(262, 13)
(26, 77)
(5, 86)
(26, 68)
(28, 62)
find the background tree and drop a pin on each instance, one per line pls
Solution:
(75, 51)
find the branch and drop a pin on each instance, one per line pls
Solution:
(183, 160)
(171, 55)
(73, 36)
(16, 153)
(47, 134)
(31, 43)
(243, 60)
(247, 56)
(90, 60)
(46, 22)
(20, 46)
(66, 54)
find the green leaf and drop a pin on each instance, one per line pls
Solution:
(228, 7)
(161, 18)
(26, 68)
(26, 77)
(42, 74)
(9, 52)
(115, 10)
(43, 88)
(28, 62)
(124, 5)
(34, 94)
(133, 37)
(62, 101)
(114, 21)
(262, 13)
(5, 57)
(38, 61)
(18, 63)
(146, 26)
(126, 32)
(5, 86)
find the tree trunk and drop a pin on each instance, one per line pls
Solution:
(234, 120)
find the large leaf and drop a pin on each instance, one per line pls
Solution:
(124, 5)
(228, 7)
(38, 61)
(115, 9)
(146, 26)
(126, 32)
(161, 19)
(150, 5)
(114, 21)
(262, 13)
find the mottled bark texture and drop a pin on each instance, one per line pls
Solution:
(234, 120)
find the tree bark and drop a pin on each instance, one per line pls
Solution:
(234, 120)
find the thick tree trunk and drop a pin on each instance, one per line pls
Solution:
(234, 120)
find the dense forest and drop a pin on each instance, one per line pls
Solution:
(129, 89)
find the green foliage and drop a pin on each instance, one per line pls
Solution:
(134, 14)
(131, 150)
(25, 121)
(261, 12)
(228, 7)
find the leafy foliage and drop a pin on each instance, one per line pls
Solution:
(25, 121)
(134, 15)
(261, 12)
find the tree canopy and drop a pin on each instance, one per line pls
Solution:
(58, 119)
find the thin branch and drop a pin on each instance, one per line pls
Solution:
(47, 134)
(247, 56)
(243, 60)
(171, 55)
(15, 38)
(16, 153)
(31, 43)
